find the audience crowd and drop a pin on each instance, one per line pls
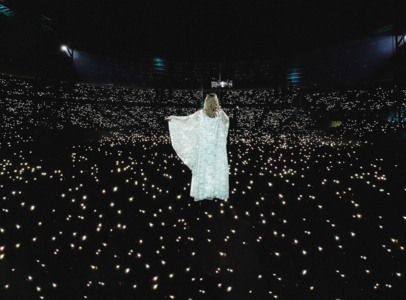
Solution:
(55, 105)
(95, 202)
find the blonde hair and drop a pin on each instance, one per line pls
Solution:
(211, 105)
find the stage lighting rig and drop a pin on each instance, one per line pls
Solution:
(222, 84)
(67, 50)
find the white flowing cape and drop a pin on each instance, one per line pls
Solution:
(201, 143)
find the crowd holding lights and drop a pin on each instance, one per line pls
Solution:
(312, 214)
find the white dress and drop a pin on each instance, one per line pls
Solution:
(201, 143)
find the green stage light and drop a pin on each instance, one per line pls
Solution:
(6, 11)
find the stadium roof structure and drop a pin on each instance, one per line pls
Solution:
(253, 41)
(12, 11)
(213, 30)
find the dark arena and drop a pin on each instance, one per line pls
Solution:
(96, 203)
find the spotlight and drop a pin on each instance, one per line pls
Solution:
(67, 50)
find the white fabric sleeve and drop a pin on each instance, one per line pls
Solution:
(184, 132)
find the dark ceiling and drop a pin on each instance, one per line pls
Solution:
(211, 30)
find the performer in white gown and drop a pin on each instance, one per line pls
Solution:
(200, 140)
